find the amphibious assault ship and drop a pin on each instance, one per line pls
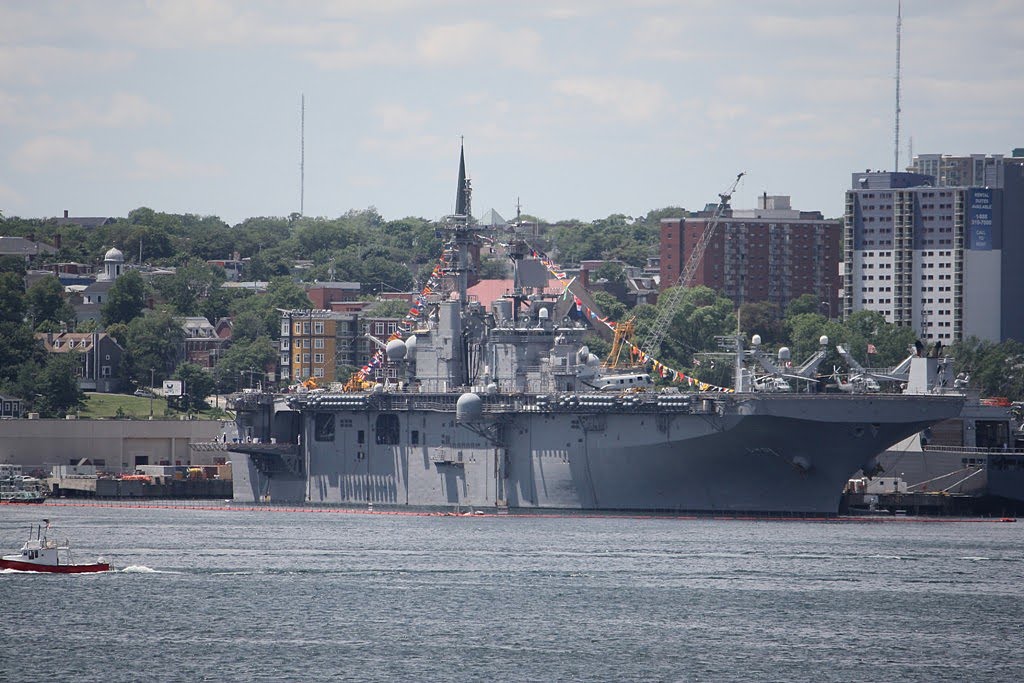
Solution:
(507, 408)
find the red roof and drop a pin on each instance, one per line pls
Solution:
(487, 291)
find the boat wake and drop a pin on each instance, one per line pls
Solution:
(141, 569)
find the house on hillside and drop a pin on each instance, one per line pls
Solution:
(10, 406)
(203, 345)
(100, 363)
(26, 248)
(84, 221)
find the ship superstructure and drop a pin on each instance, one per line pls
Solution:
(508, 408)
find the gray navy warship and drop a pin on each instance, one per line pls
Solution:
(506, 408)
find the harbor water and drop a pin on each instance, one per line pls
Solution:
(220, 594)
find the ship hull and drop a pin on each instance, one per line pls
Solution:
(17, 565)
(787, 455)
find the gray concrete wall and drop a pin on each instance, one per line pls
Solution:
(43, 443)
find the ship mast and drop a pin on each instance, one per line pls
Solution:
(464, 233)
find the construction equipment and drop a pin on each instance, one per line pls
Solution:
(622, 340)
(672, 298)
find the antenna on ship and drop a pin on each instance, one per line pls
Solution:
(302, 155)
(899, 27)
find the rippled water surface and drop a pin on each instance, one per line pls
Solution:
(258, 595)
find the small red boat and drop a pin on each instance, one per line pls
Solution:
(42, 554)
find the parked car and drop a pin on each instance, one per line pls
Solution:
(144, 393)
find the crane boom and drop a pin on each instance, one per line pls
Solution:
(673, 297)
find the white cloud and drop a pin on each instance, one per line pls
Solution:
(455, 44)
(8, 196)
(37, 65)
(47, 152)
(406, 146)
(398, 117)
(49, 113)
(616, 98)
(118, 111)
(463, 44)
(157, 164)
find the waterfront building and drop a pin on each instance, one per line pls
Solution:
(773, 253)
(942, 259)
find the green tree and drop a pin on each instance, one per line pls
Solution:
(55, 391)
(46, 303)
(189, 285)
(390, 308)
(762, 318)
(241, 359)
(12, 298)
(700, 316)
(198, 384)
(154, 343)
(18, 349)
(805, 303)
(125, 301)
(610, 307)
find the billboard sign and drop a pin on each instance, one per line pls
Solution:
(979, 219)
(172, 387)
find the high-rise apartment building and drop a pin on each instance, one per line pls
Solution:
(942, 259)
(773, 253)
(974, 170)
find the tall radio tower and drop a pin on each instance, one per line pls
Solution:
(899, 27)
(302, 156)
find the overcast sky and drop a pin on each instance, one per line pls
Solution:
(580, 108)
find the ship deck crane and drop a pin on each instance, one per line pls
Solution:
(674, 295)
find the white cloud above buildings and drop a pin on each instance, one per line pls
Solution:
(579, 108)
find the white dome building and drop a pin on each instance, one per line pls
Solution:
(113, 266)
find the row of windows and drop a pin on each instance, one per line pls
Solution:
(305, 327)
(302, 343)
(304, 358)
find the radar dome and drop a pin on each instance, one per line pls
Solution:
(396, 350)
(468, 408)
(593, 361)
(543, 314)
(784, 353)
(756, 340)
(823, 340)
(410, 345)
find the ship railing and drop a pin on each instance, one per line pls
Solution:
(973, 449)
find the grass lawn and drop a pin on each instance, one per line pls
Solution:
(107, 405)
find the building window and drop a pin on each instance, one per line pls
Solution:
(318, 343)
(318, 328)
(318, 358)
(379, 328)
